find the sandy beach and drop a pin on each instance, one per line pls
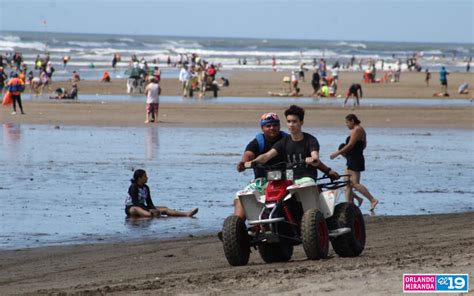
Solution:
(197, 266)
(259, 83)
(250, 84)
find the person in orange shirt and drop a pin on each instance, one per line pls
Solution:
(105, 77)
(16, 86)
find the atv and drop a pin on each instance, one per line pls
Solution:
(289, 215)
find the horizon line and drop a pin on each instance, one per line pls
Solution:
(237, 37)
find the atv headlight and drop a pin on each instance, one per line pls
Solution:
(273, 175)
(289, 174)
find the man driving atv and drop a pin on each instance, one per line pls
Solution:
(261, 145)
(297, 147)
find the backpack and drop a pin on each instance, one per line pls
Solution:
(261, 141)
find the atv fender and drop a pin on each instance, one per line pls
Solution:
(251, 202)
(311, 198)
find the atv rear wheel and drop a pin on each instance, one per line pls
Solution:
(276, 252)
(236, 241)
(350, 244)
(315, 235)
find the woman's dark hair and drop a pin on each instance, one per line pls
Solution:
(353, 118)
(295, 110)
(137, 174)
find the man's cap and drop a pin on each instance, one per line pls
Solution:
(269, 118)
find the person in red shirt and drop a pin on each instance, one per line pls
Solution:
(211, 71)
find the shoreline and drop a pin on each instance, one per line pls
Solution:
(437, 243)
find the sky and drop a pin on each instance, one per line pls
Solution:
(367, 20)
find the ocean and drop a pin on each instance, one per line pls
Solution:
(99, 49)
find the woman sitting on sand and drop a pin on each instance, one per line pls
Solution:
(139, 203)
(353, 150)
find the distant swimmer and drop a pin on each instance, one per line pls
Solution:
(139, 203)
(356, 90)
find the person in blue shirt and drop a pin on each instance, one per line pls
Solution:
(443, 79)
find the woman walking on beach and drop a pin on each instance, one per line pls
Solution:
(139, 203)
(353, 150)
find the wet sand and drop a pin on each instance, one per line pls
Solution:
(258, 84)
(395, 245)
(430, 244)
(133, 114)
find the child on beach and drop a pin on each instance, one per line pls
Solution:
(427, 77)
(139, 203)
(152, 92)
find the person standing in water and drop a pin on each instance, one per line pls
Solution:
(353, 150)
(139, 203)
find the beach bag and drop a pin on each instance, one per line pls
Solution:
(7, 99)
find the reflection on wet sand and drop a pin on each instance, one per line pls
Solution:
(11, 139)
(151, 142)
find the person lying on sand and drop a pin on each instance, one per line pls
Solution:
(295, 93)
(139, 203)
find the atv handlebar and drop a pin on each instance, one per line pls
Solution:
(334, 184)
(276, 166)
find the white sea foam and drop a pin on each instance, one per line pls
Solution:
(352, 44)
(10, 38)
(126, 39)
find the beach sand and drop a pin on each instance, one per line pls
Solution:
(395, 245)
(197, 266)
(59, 113)
(259, 83)
(253, 84)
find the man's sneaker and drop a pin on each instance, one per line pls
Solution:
(13, 113)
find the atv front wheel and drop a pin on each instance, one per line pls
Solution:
(352, 243)
(276, 252)
(314, 234)
(236, 241)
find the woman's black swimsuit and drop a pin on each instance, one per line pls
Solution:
(355, 157)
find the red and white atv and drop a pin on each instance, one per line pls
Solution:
(289, 215)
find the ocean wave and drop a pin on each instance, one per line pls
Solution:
(89, 43)
(14, 45)
(126, 40)
(352, 44)
(10, 38)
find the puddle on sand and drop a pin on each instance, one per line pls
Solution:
(68, 185)
(270, 100)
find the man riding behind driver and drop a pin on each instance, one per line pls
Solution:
(262, 144)
(296, 148)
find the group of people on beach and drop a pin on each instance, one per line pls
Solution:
(274, 146)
